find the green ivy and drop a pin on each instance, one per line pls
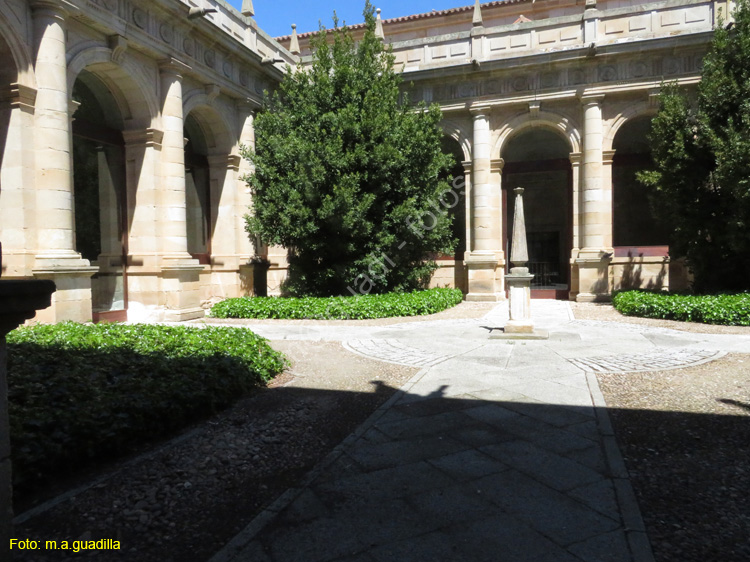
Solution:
(726, 309)
(340, 308)
(78, 393)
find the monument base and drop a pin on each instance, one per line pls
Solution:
(533, 335)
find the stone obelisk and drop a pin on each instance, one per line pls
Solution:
(519, 278)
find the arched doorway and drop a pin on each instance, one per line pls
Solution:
(538, 160)
(100, 194)
(198, 191)
(456, 203)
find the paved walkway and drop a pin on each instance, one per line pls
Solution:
(496, 450)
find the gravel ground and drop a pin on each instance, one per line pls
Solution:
(685, 437)
(188, 498)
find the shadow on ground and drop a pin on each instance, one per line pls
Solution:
(432, 479)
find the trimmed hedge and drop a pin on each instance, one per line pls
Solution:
(340, 308)
(79, 392)
(729, 310)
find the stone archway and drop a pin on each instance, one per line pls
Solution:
(215, 216)
(640, 240)
(538, 159)
(100, 193)
(633, 222)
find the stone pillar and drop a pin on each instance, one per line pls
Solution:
(180, 273)
(56, 257)
(226, 224)
(253, 254)
(173, 198)
(519, 278)
(482, 259)
(596, 228)
(142, 165)
(244, 200)
(575, 163)
(17, 174)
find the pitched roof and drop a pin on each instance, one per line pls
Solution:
(413, 17)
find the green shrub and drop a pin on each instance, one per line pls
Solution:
(83, 392)
(338, 308)
(730, 310)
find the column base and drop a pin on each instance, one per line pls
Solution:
(72, 279)
(594, 283)
(180, 285)
(485, 277)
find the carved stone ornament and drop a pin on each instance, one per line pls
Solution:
(166, 33)
(140, 18)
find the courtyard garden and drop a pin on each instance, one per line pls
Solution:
(83, 393)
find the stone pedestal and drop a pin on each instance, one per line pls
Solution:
(19, 301)
(519, 289)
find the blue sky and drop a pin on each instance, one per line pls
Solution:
(276, 16)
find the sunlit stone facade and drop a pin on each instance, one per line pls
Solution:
(122, 121)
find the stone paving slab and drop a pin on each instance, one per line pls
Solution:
(494, 451)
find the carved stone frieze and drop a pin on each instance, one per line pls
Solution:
(655, 68)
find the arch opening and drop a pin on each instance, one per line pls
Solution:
(198, 190)
(538, 160)
(633, 222)
(100, 199)
(457, 211)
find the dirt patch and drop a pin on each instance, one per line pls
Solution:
(685, 436)
(192, 495)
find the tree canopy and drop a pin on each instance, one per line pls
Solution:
(349, 177)
(701, 151)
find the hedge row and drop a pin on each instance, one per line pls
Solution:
(340, 308)
(730, 310)
(83, 392)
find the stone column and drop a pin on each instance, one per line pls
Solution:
(594, 256)
(17, 174)
(575, 163)
(173, 198)
(142, 163)
(226, 224)
(253, 254)
(56, 257)
(243, 200)
(180, 273)
(482, 260)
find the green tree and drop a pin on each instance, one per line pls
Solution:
(349, 177)
(701, 151)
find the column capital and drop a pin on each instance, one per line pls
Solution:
(576, 158)
(171, 66)
(467, 165)
(479, 111)
(497, 165)
(607, 156)
(54, 8)
(146, 137)
(18, 96)
(591, 99)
